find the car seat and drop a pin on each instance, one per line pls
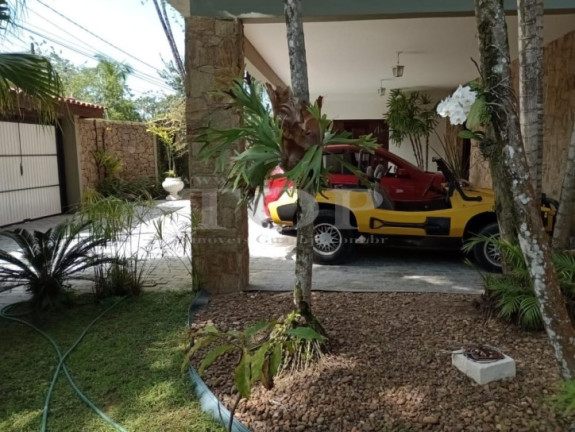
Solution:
(381, 198)
(379, 170)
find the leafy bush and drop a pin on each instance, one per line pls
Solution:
(48, 260)
(111, 164)
(143, 188)
(260, 350)
(512, 296)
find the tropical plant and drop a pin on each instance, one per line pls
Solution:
(453, 155)
(293, 139)
(259, 350)
(27, 77)
(123, 277)
(112, 165)
(412, 117)
(171, 132)
(142, 189)
(121, 221)
(47, 261)
(176, 243)
(512, 295)
(110, 216)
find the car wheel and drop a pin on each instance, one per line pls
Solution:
(486, 254)
(331, 244)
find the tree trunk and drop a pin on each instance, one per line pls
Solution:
(304, 255)
(530, 26)
(305, 204)
(494, 49)
(563, 232)
(504, 207)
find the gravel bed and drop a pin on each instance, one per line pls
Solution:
(389, 367)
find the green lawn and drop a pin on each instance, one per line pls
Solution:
(129, 365)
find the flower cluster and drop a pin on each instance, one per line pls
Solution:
(458, 105)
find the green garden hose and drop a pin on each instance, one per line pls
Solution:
(62, 365)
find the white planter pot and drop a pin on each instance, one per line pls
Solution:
(173, 185)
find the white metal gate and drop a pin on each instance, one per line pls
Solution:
(29, 181)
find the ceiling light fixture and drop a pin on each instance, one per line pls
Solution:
(398, 69)
(381, 89)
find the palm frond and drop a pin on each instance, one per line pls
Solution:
(530, 313)
(35, 77)
(565, 268)
(261, 133)
(48, 259)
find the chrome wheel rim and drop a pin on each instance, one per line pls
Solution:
(492, 253)
(327, 239)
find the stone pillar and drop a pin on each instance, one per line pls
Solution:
(214, 56)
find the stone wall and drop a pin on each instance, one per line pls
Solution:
(558, 111)
(127, 141)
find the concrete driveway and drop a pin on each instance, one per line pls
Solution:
(272, 262)
(372, 269)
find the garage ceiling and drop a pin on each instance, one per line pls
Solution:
(347, 59)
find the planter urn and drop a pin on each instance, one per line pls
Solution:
(173, 185)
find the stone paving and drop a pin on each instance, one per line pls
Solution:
(272, 260)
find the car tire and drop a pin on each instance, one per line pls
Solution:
(486, 254)
(331, 244)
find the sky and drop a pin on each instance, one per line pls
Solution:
(125, 30)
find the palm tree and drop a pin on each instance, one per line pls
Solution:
(26, 76)
(292, 138)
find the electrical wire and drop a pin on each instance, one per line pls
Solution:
(78, 50)
(94, 34)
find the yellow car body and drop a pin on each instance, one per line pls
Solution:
(446, 222)
(465, 212)
(403, 203)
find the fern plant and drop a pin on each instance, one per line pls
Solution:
(48, 260)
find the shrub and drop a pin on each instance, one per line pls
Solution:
(143, 188)
(512, 296)
(124, 277)
(47, 261)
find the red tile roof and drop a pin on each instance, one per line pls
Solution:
(72, 101)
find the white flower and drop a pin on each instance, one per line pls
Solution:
(445, 107)
(457, 117)
(465, 96)
(457, 106)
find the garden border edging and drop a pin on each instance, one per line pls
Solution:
(208, 401)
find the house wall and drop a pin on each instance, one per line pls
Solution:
(558, 111)
(126, 140)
